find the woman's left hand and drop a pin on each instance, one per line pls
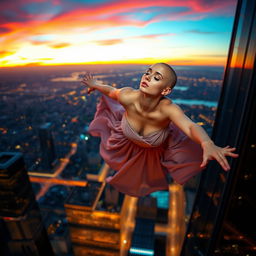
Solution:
(211, 151)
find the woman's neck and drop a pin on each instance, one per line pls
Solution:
(148, 103)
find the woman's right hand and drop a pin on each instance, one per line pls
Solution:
(89, 82)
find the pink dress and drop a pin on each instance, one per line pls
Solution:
(142, 162)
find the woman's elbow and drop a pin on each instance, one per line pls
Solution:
(114, 94)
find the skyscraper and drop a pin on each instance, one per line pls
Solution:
(143, 235)
(223, 218)
(95, 224)
(21, 227)
(47, 146)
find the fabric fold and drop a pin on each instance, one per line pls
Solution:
(141, 163)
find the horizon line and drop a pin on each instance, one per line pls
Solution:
(107, 64)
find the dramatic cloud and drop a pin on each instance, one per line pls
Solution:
(108, 42)
(52, 15)
(201, 32)
(155, 35)
(45, 26)
(121, 40)
(60, 45)
(5, 53)
(4, 30)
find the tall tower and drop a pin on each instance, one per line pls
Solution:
(143, 238)
(21, 227)
(223, 218)
(95, 224)
(47, 146)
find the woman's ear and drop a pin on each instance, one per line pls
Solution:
(166, 91)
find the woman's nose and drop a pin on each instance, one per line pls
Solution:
(148, 77)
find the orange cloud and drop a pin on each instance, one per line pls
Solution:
(108, 42)
(32, 64)
(154, 35)
(119, 40)
(60, 45)
(18, 26)
(5, 53)
(113, 14)
(35, 42)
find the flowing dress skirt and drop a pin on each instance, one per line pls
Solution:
(142, 162)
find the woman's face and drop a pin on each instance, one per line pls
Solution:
(155, 80)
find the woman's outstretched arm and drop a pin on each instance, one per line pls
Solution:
(123, 95)
(198, 134)
(92, 84)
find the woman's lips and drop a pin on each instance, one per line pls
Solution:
(144, 84)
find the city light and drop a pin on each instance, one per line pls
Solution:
(141, 251)
(62, 168)
(84, 137)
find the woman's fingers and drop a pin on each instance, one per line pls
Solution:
(221, 157)
(87, 80)
(232, 154)
(227, 148)
(87, 76)
(231, 149)
(223, 161)
(204, 162)
(219, 154)
(228, 152)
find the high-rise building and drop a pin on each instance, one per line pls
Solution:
(95, 221)
(15, 193)
(22, 231)
(143, 238)
(47, 146)
(223, 217)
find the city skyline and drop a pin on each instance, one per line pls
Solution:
(57, 32)
(58, 97)
(55, 198)
(53, 96)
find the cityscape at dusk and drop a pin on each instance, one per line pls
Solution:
(55, 198)
(45, 114)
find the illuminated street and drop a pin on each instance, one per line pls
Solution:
(55, 178)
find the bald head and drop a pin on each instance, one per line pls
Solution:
(173, 76)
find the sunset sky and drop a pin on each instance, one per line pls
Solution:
(51, 32)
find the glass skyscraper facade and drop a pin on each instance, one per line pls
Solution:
(223, 217)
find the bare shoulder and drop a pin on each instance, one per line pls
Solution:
(168, 108)
(127, 95)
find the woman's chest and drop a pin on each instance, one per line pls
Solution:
(146, 123)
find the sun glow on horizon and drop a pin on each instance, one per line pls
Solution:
(50, 32)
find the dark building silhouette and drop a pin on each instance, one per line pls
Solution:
(3, 240)
(143, 238)
(21, 227)
(56, 226)
(47, 146)
(223, 217)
